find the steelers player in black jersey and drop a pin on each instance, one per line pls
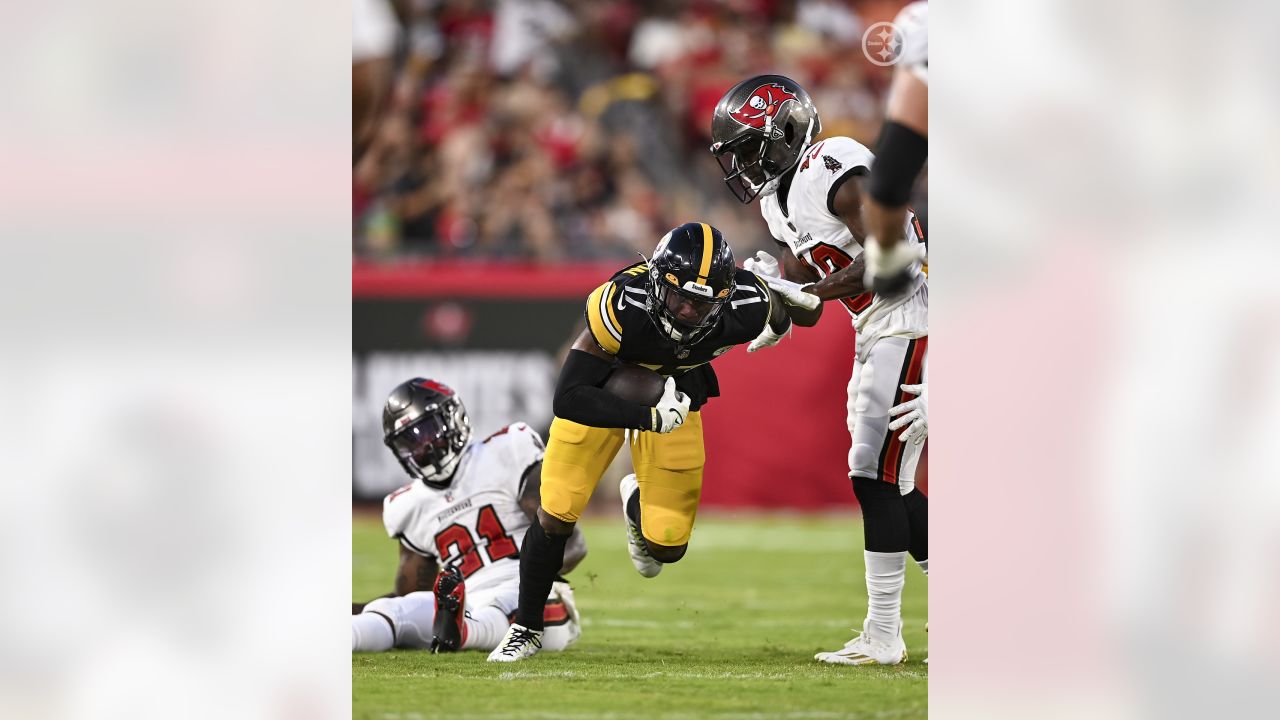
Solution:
(673, 314)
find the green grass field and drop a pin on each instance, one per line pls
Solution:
(729, 632)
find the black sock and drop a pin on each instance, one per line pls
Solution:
(541, 557)
(885, 527)
(633, 507)
(918, 516)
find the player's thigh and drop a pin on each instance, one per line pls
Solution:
(669, 472)
(576, 457)
(412, 617)
(891, 362)
(851, 392)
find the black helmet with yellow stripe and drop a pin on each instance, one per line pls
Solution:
(690, 282)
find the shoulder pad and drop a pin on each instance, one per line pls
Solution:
(833, 157)
(518, 446)
(398, 509)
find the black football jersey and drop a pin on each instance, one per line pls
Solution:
(621, 325)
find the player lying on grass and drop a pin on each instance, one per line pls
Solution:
(673, 314)
(467, 508)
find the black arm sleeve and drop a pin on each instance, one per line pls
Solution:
(580, 398)
(900, 154)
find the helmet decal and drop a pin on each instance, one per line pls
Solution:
(708, 248)
(438, 387)
(699, 289)
(762, 106)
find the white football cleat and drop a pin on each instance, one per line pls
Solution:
(519, 643)
(866, 650)
(640, 557)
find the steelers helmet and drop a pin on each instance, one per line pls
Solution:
(426, 427)
(758, 132)
(690, 282)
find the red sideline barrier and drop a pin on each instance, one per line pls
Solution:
(477, 279)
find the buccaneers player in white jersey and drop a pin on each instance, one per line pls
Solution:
(466, 508)
(764, 132)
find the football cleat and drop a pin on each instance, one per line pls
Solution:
(866, 650)
(450, 627)
(640, 557)
(519, 643)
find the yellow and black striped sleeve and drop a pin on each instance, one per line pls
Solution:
(602, 320)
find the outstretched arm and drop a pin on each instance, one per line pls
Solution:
(783, 313)
(848, 281)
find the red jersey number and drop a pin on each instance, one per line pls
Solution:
(826, 259)
(457, 546)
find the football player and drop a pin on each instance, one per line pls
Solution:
(459, 523)
(901, 152)
(763, 132)
(673, 314)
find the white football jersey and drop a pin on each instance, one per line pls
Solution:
(821, 241)
(476, 523)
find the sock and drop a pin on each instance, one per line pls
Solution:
(485, 628)
(886, 527)
(541, 557)
(886, 573)
(633, 507)
(918, 517)
(886, 532)
(371, 632)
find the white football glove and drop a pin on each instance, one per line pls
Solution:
(913, 412)
(671, 410)
(793, 293)
(767, 338)
(763, 264)
(886, 268)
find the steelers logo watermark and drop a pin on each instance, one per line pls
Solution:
(883, 44)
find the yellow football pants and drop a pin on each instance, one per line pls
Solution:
(668, 468)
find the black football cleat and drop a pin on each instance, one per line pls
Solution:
(450, 629)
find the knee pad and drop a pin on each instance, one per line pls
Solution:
(885, 524)
(864, 459)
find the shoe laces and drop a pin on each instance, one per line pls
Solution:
(518, 638)
(857, 639)
(637, 539)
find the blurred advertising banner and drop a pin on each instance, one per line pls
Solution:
(496, 333)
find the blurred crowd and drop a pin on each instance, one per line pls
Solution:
(553, 130)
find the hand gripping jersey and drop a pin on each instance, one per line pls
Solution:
(621, 325)
(476, 523)
(808, 225)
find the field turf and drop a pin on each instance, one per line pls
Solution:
(729, 632)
